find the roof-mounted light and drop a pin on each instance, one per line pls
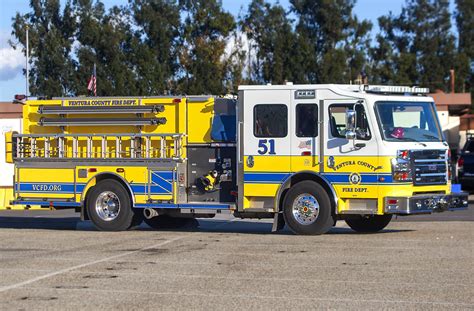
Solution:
(388, 89)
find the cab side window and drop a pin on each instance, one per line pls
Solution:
(306, 120)
(337, 120)
(270, 120)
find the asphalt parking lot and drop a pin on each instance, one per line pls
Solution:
(50, 260)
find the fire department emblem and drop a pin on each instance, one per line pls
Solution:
(354, 178)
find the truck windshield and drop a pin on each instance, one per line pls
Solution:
(408, 121)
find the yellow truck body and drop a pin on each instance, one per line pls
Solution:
(287, 152)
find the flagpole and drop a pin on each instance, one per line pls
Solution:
(27, 58)
(95, 81)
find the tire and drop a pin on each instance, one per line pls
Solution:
(168, 222)
(369, 224)
(307, 209)
(110, 207)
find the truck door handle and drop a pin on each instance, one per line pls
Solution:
(240, 144)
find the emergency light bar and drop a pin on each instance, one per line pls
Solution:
(395, 89)
(100, 121)
(56, 109)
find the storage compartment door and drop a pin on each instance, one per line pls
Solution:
(45, 183)
(161, 185)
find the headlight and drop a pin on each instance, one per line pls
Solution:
(401, 168)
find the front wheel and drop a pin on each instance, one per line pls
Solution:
(369, 224)
(307, 209)
(110, 208)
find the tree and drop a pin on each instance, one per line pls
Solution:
(156, 44)
(465, 60)
(465, 24)
(417, 45)
(382, 66)
(332, 41)
(105, 39)
(273, 43)
(51, 36)
(205, 33)
(235, 63)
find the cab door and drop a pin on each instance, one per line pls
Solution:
(264, 145)
(304, 131)
(352, 166)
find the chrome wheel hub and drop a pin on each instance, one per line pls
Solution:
(107, 205)
(305, 209)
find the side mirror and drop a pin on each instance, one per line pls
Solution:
(350, 124)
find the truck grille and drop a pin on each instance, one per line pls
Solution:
(429, 167)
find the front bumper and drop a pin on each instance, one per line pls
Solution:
(424, 204)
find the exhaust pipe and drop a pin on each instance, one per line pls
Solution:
(149, 213)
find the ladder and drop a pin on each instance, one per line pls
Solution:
(126, 146)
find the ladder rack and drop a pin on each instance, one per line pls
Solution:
(106, 147)
(100, 121)
(58, 109)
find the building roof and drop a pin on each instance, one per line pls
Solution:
(8, 110)
(455, 103)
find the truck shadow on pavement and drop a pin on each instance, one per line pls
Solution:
(205, 225)
(50, 223)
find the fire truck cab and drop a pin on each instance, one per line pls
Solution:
(304, 155)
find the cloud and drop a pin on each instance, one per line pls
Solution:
(11, 63)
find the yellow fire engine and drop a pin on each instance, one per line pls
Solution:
(304, 155)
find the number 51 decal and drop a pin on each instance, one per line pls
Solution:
(266, 146)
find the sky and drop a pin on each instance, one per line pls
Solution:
(12, 62)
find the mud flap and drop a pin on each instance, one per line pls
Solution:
(278, 222)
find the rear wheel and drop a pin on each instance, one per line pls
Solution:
(368, 224)
(110, 208)
(168, 222)
(307, 209)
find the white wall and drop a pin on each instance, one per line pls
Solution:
(443, 118)
(453, 128)
(450, 127)
(6, 169)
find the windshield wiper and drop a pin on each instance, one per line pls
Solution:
(405, 139)
(410, 139)
(431, 136)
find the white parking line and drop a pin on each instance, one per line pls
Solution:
(62, 271)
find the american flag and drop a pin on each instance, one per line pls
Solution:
(92, 86)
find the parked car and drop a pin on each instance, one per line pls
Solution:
(466, 164)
